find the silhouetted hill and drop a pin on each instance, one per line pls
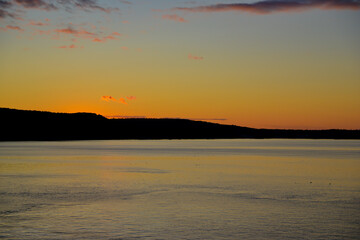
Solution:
(21, 125)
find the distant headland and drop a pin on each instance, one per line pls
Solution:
(24, 125)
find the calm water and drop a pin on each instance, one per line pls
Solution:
(191, 189)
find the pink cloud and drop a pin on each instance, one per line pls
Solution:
(66, 31)
(79, 33)
(173, 17)
(84, 33)
(41, 32)
(131, 97)
(108, 98)
(122, 100)
(34, 23)
(72, 46)
(110, 37)
(17, 28)
(116, 34)
(191, 57)
(99, 40)
(104, 39)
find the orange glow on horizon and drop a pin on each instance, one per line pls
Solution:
(274, 69)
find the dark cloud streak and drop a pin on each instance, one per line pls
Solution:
(273, 6)
(4, 5)
(37, 4)
(92, 5)
(8, 7)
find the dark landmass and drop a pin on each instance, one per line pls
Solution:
(22, 125)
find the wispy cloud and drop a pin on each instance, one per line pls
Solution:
(73, 31)
(116, 34)
(131, 97)
(7, 8)
(173, 17)
(16, 13)
(66, 31)
(125, 1)
(36, 4)
(120, 100)
(42, 32)
(273, 6)
(108, 98)
(17, 28)
(72, 46)
(110, 37)
(82, 33)
(38, 23)
(192, 57)
(104, 39)
(4, 6)
(90, 5)
(98, 40)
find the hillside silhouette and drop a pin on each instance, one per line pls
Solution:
(23, 125)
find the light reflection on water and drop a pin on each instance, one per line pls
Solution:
(182, 189)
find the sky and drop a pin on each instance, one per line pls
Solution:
(256, 63)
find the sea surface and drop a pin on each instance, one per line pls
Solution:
(180, 189)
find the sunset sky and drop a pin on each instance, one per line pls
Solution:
(264, 64)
